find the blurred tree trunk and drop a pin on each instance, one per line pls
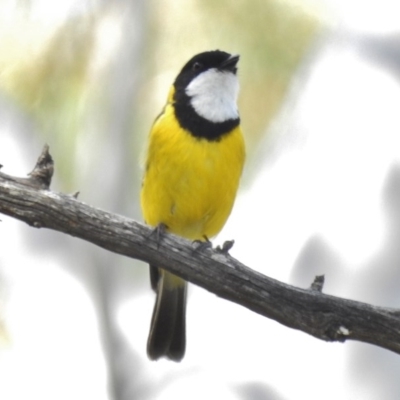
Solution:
(112, 180)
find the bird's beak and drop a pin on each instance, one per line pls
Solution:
(230, 63)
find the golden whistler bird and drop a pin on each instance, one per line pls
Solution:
(194, 162)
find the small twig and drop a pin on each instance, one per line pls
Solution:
(44, 169)
(318, 283)
(40, 177)
(226, 246)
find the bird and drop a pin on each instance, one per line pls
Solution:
(194, 162)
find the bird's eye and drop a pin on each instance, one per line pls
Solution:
(197, 66)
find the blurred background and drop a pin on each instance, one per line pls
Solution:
(319, 102)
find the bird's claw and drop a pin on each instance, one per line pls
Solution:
(202, 244)
(158, 232)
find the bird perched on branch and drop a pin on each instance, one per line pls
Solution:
(194, 162)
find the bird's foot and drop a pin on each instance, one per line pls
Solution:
(158, 232)
(202, 244)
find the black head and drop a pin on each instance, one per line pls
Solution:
(202, 62)
(205, 95)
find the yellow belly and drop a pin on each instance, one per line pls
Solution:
(190, 184)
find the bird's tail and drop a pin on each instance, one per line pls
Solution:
(167, 337)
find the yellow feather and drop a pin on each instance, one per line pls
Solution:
(190, 184)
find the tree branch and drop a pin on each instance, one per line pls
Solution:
(309, 310)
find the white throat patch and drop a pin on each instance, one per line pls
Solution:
(213, 95)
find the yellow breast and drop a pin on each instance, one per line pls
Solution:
(190, 184)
